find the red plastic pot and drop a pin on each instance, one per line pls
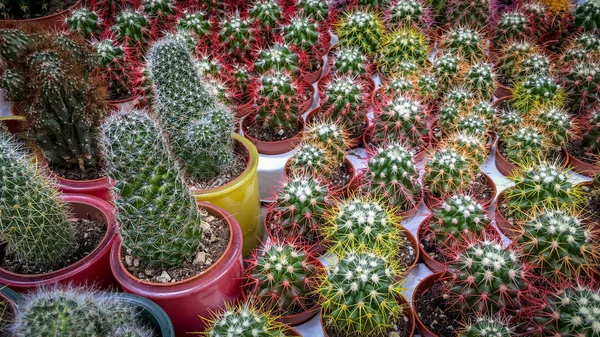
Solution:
(92, 269)
(47, 23)
(188, 301)
(588, 170)
(272, 148)
(420, 289)
(409, 314)
(123, 104)
(411, 212)
(315, 76)
(317, 248)
(99, 188)
(434, 202)
(334, 190)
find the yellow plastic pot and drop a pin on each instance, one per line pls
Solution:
(240, 197)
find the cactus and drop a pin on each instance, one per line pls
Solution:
(480, 79)
(483, 326)
(460, 97)
(197, 128)
(581, 82)
(406, 13)
(541, 185)
(587, 15)
(584, 47)
(299, 209)
(512, 54)
(404, 44)
(447, 172)
(237, 35)
(485, 110)
(513, 25)
(267, 13)
(559, 246)
(402, 118)
(448, 117)
(535, 91)
(311, 161)
(347, 300)
(471, 146)
(136, 153)
(407, 68)
(459, 217)
(508, 123)
(132, 26)
(464, 42)
(195, 22)
(282, 278)
(393, 176)
(591, 135)
(397, 86)
(472, 124)
(28, 9)
(344, 101)
(555, 124)
(302, 34)
(84, 21)
(525, 145)
(361, 28)
(427, 87)
(473, 13)
(115, 65)
(327, 135)
(14, 44)
(350, 61)
(447, 69)
(278, 98)
(209, 66)
(313, 9)
(486, 279)
(159, 8)
(244, 320)
(34, 221)
(13, 84)
(279, 57)
(238, 78)
(533, 64)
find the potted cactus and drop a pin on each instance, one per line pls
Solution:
(218, 167)
(8, 307)
(347, 307)
(407, 13)
(512, 25)
(403, 44)
(509, 56)
(267, 15)
(362, 28)
(487, 325)
(525, 144)
(310, 41)
(580, 81)
(537, 90)
(132, 27)
(480, 79)
(467, 43)
(184, 277)
(476, 14)
(314, 10)
(447, 171)
(587, 16)
(41, 14)
(47, 237)
(448, 69)
(237, 36)
(281, 278)
(350, 60)
(278, 57)
(583, 148)
(470, 145)
(84, 22)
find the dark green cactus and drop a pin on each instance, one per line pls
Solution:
(195, 22)
(555, 124)
(329, 136)
(311, 161)
(344, 100)
(279, 100)
(237, 35)
(525, 145)
(244, 320)
(473, 13)
(402, 118)
(14, 44)
(447, 69)
(159, 8)
(471, 146)
(511, 54)
(591, 136)
(114, 64)
(268, 14)
(132, 26)
(279, 57)
(459, 217)
(509, 122)
(587, 15)
(84, 21)
(464, 42)
(350, 60)
(302, 33)
(408, 13)
(317, 10)
(447, 172)
(581, 82)
(489, 327)
(513, 25)
(532, 64)
(480, 79)
(361, 28)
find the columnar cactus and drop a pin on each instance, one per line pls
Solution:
(447, 172)
(447, 69)
(328, 135)
(408, 13)
(349, 61)
(267, 13)
(591, 136)
(472, 13)
(480, 80)
(526, 145)
(554, 123)
(14, 43)
(587, 15)
(244, 320)
(34, 222)
(302, 34)
(311, 161)
(464, 42)
(237, 35)
(197, 128)
(281, 278)
(344, 100)
(404, 118)
(279, 57)
(299, 209)
(313, 9)
(460, 216)
(541, 185)
(347, 295)
(483, 326)
(486, 279)
(195, 22)
(132, 26)
(278, 97)
(84, 21)
(537, 90)
(116, 66)
(559, 245)
(582, 84)
(361, 28)
(513, 25)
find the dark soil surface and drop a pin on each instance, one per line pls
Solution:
(433, 310)
(74, 173)
(54, 6)
(340, 177)
(88, 235)
(215, 238)
(6, 316)
(592, 207)
(576, 149)
(235, 169)
(479, 188)
(267, 135)
(431, 246)
(406, 253)
(400, 328)
(357, 131)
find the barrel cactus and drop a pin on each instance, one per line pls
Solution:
(403, 44)
(132, 26)
(555, 124)
(196, 22)
(349, 60)
(591, 136)
(464, 42)
(159, 8)
(537, 90)
(115, 64)
(459, 217)
(447, 172)
(312, 161)
(278, 98)
(486, 326)
(581, 83)
(328, 135)
(525, 145)
(448, 69)
(583, 47)
(509, 121)
(404, 118)
(512, 25)
(237, 36)
(480, 79)
(278, 57)
(408, 13)
(302, 34)
(84, 21)
(266, 13)
(314, 9)
(587, 15)
(361, 28)
(473, 13)
(244, 320)
(485, 110)
(343, 100)
(471, 146)
(532, 64)
(511, 54)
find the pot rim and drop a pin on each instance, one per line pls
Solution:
(433, 278)
(91, 182)
(576, 165)
(332, 189)
(291, 142)
(36, 20)
(123, 100)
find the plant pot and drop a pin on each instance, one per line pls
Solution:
(154, 316)
(409, 314)
(588, 170)
(503, 92)
(509, 169)
(413, 242)
(315, 76)
(240, 197)
(99, 188)
(48, 23)
(125, 104)
(13, 300)
(14, 124)
(92, 269)
(434, 202)
(421, 288)
(316, 248)
(273, 148)
(244, 109)
(334, 190)
(188, 301)
(506, 227)
(411, 212)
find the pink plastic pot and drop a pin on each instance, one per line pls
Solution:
(99, 188)
(92, 269)
(188, 301)
(47, 23)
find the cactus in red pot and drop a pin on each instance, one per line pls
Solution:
(278, 57)
(459, 217)
(447, 172)
(513, 25)
(408, 13)
(402, 117)
(403, 44)
(116, 64)
(464, 42)
(344, 100)
(267, 14)
(361, 28)
(237, 35)
(582, 82)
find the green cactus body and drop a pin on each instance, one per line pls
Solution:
(329, 136)
(344, 101)
(473, 13)
(511, 55)
(84, 21)
(313, 9)
(535, 91)
(485, 110)
(464, 42)
(282, 279)
(508, 123)
(278, 99)
(488, 327)
(14, 85)
(533, 64)
(14, 44)
(195, 22)
(447, 69)
(591, 136)
(555, 124)
(361, 28)
(350, 61)
(302, 33)
(151, 191)
(447, 172)
(513, 25)
(558, 245)
(404, 44)
(408, 68)
(244, 321)
(279, 58)
(360, 295)
(581, 83)
(587, 41)
(485, 279)
(267, 13)
(398, 85)
(448, 116)
(237, 35)
(459, 217)
(471, 146)
(542, 185)
(472, 124)
(480, 79)
(427, 87)
(407, 13)
(587, 15)
(113, 64)
(311, 161)
(525, 145)
(132, 26)
(402, 118)
(159, 8)
(208, 66)
(393, 176)
(197, 128)
(459, 96)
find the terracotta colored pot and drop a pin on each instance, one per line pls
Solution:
(335, 190)
(493, 53)
(292, 332)
(409, 314)
(188, 301)
(588, 170)
(503, 92)
(317, 249)
(125, 104)
(273, 148)
(415, 245)
(420, 289)
(506, 227)
(509, 169)
(92, 269)
(14, 124)
(411, 212)
(47, 23)
(434, 202)
(244, 109)
(100, 188)
(315, 76)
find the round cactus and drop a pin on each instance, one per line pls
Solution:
(84, 21)
(511, 54)
(313, 9)
(471, 146)
(559, 245)
(533, 64)
(408, 13)
(488, 327)
(393, 176)
(474, 13)
(485, 110)
(195, 22)
(244, 321)
(279, 57)
(279, 100)
(347, 295)
(159, 8)
(114, 64)
(312, 161)
(132, 26)
(302, 33)
(591, 136)
(582, 84)
(402, 118)
(403, 44)
(480, 79)
(427, 87)
(327, 135)
(267, 13)
(459, 217)
(447, 172)
(361, 28)
(344, 101)
(464, 42)
(509, 122)
(554, 123)
(460, 97)
(525, 145)
(237, 35)
(513, 25)
(350, 61)
(14, 43)
(447, 69)
(448, 117)
(537, 90)
(584, 47)
(587, 15)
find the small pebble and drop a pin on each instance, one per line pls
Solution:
(128, 260)
(164, 277)
(136, 262)
(149, 271)
(200, 258)
(209, 261)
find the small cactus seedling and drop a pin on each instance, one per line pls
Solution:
(115, 64)
(471, 146)
(302, 34)
(447, 69)
(317, 10)
(560, 246)
(299, 209)
(267, 14)
(541, 185)
(591, 135)
(243, 320)
(582, 82)
(474, 13)
(486, 279)
(195, 22)
(464, 42)
(480, 79)
(281, 277)
(402, 117)
(427, 87)
(537, 90)
(344, 101)
(361, 28)
(237, 35)
(350, 61)
(489, 327)
(587, 15)
(393, 176)
(347, 295)
(403, 44)
(447, 172)
(311, 161)
(84, 21)
(327, 135)
(459, 217)
(554, 123)
(279, 57)
(513, 25)
(407, 13)
(132, 26)
(525, 145)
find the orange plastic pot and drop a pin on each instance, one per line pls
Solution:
(334, 190)
(420, 289)
(588, 170)
(188, 301)
(47, 23)
(92, 269)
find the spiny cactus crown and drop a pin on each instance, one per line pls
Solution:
(512, 25)
(311, 160)
(361, 28)
(533, 64)
(458, 216)
(402, 118)
(428, 86)
(525, 145)
(350, 60)
(398, 85)
(459, 96)
(465, 42)
(266, 12)
(14, 44)
(511, 54)
(281, 278)
(314, 9)
(448, 116)
(14, 85)
(132, 26)
(406, 13)
(581, 83)
(112, 61)
(472, 124)
(195, 22)
(485, 279)
(559, 245)
(471, 146)
(159, 8)
(344, 99)
(591, 137)
(481, 80)
(278, 100)
(509, 122)
(486, 110)
(329, 136)
(555, 123)
(407, 68)
(360, 294)
(237, 35)
(278, 57)
(403, 44)
(488, 327)
(537, 90)
(244, 321)
(136, 155)
(446, 68)
(586, 41)
(587, 15)
(447, 172)
(301, 33)
(208, 66)
(84, 21)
